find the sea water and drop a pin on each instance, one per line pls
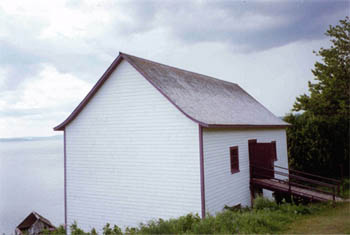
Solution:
(31, 179)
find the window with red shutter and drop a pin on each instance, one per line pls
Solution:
(234, 159)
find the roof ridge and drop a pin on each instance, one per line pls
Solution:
(184, 70)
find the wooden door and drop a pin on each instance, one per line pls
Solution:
(262, 155)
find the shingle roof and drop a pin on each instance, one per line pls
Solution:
(208, 101)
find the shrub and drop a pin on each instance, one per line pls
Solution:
(345, 193)
(264, 203)
(58, 231)
(109, 231)
(266, 216)
(75, 230)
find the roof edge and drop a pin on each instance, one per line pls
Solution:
(248, 126)
(135, 66)
(91, 93)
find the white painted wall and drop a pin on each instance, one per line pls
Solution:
(221, 187)
(131, 156)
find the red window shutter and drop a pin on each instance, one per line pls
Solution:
(234, 159)
(274, 152)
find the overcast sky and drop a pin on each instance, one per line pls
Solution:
(53, 52)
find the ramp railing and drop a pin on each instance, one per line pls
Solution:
(298, 179)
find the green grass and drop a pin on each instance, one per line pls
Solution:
(265, 217)
(328, 221)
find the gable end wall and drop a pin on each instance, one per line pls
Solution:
(131, 156)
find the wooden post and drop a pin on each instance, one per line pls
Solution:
(341, 178)
(289, 187)
(252, 194)
(341, 171)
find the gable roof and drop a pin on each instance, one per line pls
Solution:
(208, 101)
(31, 219)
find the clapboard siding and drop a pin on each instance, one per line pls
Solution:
(221, 187)
(131, 156)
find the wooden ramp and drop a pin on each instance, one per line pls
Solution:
(295, 183)
(278, 186)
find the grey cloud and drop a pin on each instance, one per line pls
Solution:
(144, 15)
(38, 113)
(21, 113)
(16, 35)
(190, 22)
(214, 21)
(19, 64)
(22, 52)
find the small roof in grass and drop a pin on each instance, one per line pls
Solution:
(206, 100)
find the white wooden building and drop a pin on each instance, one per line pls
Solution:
(153, 141)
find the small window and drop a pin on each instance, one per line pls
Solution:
(234, 159)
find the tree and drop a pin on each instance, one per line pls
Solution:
(331, 94)
(319, 137)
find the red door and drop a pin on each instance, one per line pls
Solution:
(262, 157)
